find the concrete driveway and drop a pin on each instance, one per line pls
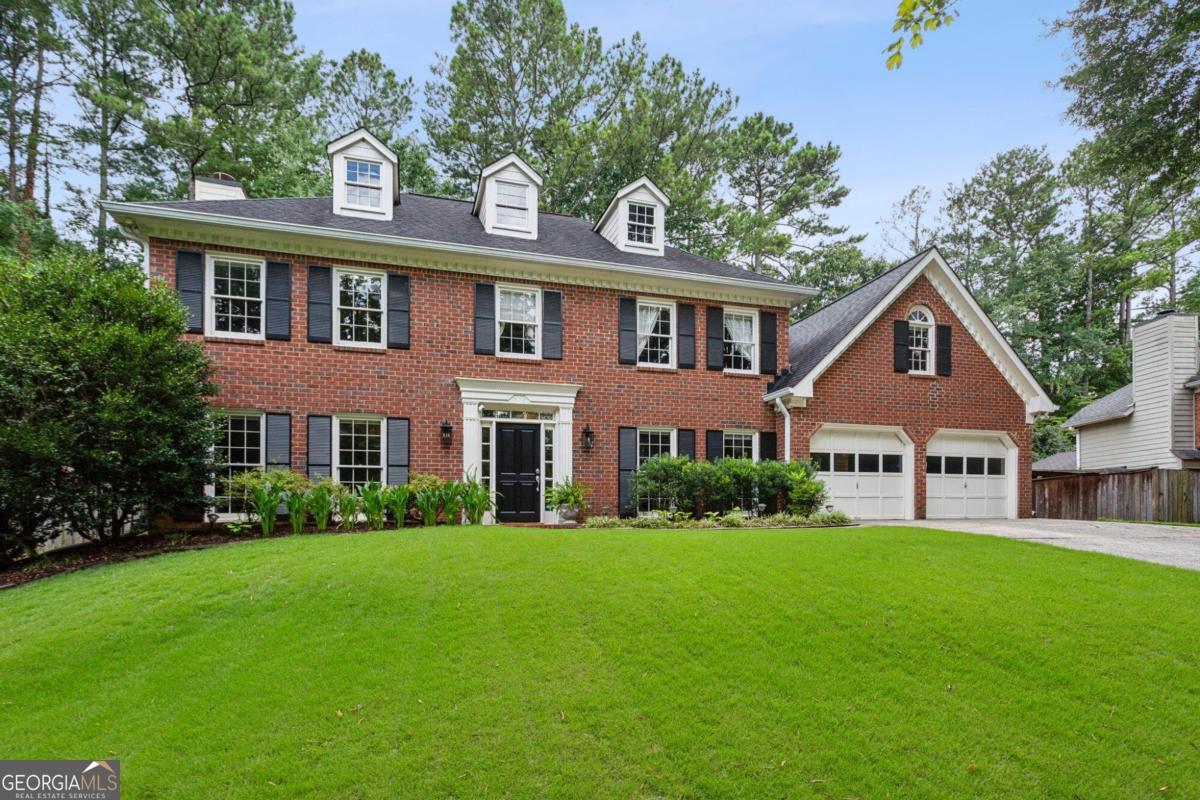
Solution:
(1174, 545)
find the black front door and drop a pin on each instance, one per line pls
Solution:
(518, 472)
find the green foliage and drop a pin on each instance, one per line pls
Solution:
(266, 489)
(420, 481)
(829, 518)
(915, 18)
(348, 506)
(396, 499)
(709, 488)
(373, 501)
(452, 502)
(663, 477)
(264, 500)
(297, 508)
(103, 409)
(477, 500)
(807, 493)
(429, 503)
(725, 485)
(239, 527)
(834, 271)
(320, 502)
(601, 521)
(1050, 437)
(569, 493)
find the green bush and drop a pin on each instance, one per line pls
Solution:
(297, 508)
(605, 522)
(452, 502)
(662, 478)
(347, 510)
(477, 500)
(569, 493)
(372, 500)
(420, 481)
(429, 502)
(321, 497)
(396, 498)
(807, 493)
(265, 490)
(829, 518)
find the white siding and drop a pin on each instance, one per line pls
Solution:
(487, 209)
(203, 189)
(363, 150)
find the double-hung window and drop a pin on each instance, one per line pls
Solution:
(518, 314)
(738, 444)
(236, 290)
(656, 334)
(654, 442)
(920, 341)
(512, 205)
(641, 224)
(360, 309)
(359, 453)
(364, 187)
(239, 449)
(739, 344)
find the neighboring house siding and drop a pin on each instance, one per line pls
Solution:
(302, 378)
(861, 388)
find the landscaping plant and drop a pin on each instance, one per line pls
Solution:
(297, 508)
(452, 502)
(264, 491)
(807, 493)
(570, 495)
(347, 509)
(429, 502)
(321, 496)
(396, 499)
(477, 500)
(374, 505)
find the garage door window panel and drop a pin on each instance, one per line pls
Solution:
(892, 463)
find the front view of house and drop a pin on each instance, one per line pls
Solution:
(376, 333)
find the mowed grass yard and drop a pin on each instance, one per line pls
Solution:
(509, 663)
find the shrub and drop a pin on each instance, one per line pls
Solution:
(396, 499)
(806, 494)
(734, 519)
(605, 522)
(477, 500)
(347, 510)
(264, 491)
(829, 518)
(663, 478)
(774, 481)
(429, 502)
(420, 481)
(321, 497)
(743, 482)
(569, 493)
(452, 502)
(710, 488)
(371, 498)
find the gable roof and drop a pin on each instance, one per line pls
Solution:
(510, 160)
(1113, 405)
(643, 182)
(818, 340)
(1066, 461)
(423, 220)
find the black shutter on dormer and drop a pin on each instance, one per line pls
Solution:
(398, 305)
(627, 330)
(552, 324)
(189, 282)
(715, 339)
(943, 350)
(900, 345)
(279, 300)
(320, 304)
(768, 359)
(687, 337)
(485, 319)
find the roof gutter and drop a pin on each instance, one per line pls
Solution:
(155, 212)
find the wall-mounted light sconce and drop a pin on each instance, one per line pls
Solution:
(447, 433)
(589, 437)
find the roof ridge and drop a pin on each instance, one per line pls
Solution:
(906, 263)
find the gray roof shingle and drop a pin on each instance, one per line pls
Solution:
(440, 219)
(1112, 406)
(1059, 462)
(815, 336)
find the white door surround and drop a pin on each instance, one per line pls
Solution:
(555, 401)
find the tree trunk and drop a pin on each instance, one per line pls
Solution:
(14, 75)
(35, 126)
(102, 221)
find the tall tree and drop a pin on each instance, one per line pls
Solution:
(29, 48)
(835, 271)
(781, 193)
(908, 229)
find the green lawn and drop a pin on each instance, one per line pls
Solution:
(485, 662)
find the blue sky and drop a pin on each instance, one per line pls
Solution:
(975, 89)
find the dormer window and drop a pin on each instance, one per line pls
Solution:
(364, 183)
(641, 224)
(512, 204)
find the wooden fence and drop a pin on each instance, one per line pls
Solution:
(1146, 495)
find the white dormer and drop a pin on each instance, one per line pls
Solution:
(365, 179)
(634, 220)
(506, 200)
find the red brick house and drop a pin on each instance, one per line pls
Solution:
(375, 332)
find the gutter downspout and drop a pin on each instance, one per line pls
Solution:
(782, 408)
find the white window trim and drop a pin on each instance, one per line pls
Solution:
(658, 429)
(336, 441)
(932, 350)
(210, 489)
(754, 339)
(647, 301)
(741, 432)
(653, 246)
(210, 310)
(338, 272)
(347, 182)
(536, 355)
(528, 226)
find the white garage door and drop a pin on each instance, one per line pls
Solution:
(966, 476)
(863, 471)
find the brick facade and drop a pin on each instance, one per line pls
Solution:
(301, 378)
(862, 388)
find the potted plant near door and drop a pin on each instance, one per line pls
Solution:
(569, 497)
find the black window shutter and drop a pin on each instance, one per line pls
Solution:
(768, 449)
(715, 344)
(768, 360)
(627, 450)
(552, 325)
(189, 282)
(398, 305)
(627, 330)
(714, 445)
(686, 357)
(320, 304)
(279, 441)
(943, 349)
(397, 451)
(685, 443)
(485, 319)
(900, 345)
(320, 446)
(279, 300)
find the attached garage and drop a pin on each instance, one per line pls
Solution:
(867, 470)
(970, 475)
